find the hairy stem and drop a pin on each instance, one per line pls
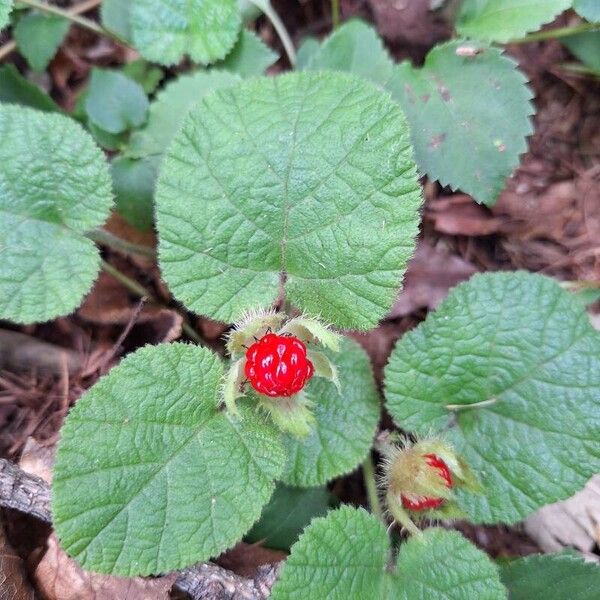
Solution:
(139, 290)
(368, 469)
(282, 32)
(74, 18)
(101, 236)
(335, 13)
(553, 34)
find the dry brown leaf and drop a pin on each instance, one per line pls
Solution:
(244, 559)
(574, 523)
(109, 304)
(59, 577)
(431, 273)
(38, 459)
(13, 579)
(461, 215)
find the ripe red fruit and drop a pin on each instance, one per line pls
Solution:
(276, 365)
(428, 502)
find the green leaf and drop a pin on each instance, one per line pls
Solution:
(150, 476)
(144, 73)
(164, 31)
(310, 174)
(588, 9)
(106, 140)
(586, 47)
(503, 20)
(15, 89)
(346, 421)
(481, 103)
(523, 349)
(172, 105)
(115, 16)
(114, 102)
(289, 511)
(54, 186)
(344, 556)
(5, 10)
(356, 48)
(39, 36)
(250, 56)
(308, 50)
(133, 184)
(551, 577)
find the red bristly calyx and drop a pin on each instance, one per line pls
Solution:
(428, 502)
(277, 365)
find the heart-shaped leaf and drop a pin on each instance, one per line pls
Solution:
(551, 577)
(344, 555)
(165, 31)
(453, 102)
(503, 20)
(346, 421)
(308, 176)
(54, 187)
(510, 366)
(150, 476)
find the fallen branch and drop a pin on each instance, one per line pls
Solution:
(31, 495)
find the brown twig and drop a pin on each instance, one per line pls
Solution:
(31, 495)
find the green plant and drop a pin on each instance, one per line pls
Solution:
(290, 206)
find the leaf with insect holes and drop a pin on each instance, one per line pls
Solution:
(346, 421)
(150, 476)
(588, 9)
(39, 36)
(523, 352)
(504, 20)
(551, 577)
(250, 56)
(5, 9)
(54, 187)
(308, 175)
(480, 102)
(354, 47)
(344, 556)
(165, 31)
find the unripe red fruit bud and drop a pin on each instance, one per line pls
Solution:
(429, 502)
(277, 365)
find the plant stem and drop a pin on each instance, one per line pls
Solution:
(132, 285)
(368, 469)
(335, 13)
(553, 34)
(101, 236)
(282, 32)
(139, 290)
(457, 407)
(74, 18)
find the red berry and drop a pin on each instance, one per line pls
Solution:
(276, 365)
(428, 502)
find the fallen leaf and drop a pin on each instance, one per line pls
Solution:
(431, 273)
(461, 215)
(13, 579)
(59, 577)
(38, 459)
(244, 559)
(574, 523)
